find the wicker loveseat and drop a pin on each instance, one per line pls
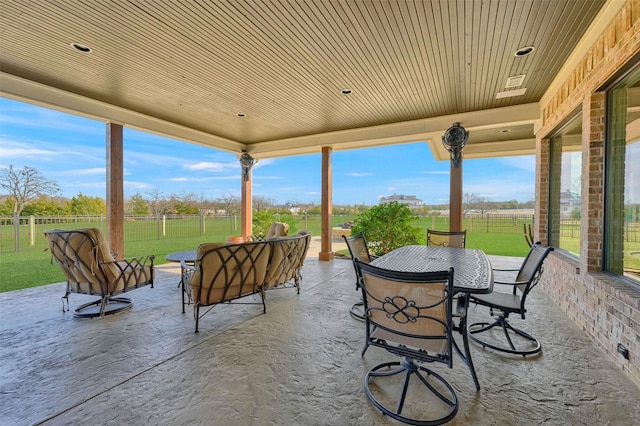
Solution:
(228, 272)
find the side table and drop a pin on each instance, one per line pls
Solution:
(188, 257)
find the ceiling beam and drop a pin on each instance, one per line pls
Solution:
(23, 90)
(428, 130)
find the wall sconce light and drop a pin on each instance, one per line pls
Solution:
(247, 162)
(454, 139)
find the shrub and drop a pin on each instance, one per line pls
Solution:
(387, 227)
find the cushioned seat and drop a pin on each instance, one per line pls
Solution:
(90, 268)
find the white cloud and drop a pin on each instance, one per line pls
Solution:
(435, 173)
(86, 172)
(136, 185)
(10, 149)
(213, 167)
(355, 174)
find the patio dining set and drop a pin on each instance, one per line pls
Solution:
(414, 303)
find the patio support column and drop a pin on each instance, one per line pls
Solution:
(455, 197)
(246, 217)
(326, 205)
(115, 189)
(246, 164)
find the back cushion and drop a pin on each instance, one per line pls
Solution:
(229, 271)
(278, 229)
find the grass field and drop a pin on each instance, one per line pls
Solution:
(32, 265)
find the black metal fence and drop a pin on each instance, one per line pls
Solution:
(27, 233)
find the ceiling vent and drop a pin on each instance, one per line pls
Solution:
(515, 81)
(510, 93)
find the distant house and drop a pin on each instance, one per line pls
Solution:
(411, 200)
(569, 200)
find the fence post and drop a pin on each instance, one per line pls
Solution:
(16, 232)
(202, 230)
(32, 230)
(164, 225)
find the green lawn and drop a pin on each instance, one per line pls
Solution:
(32, 266)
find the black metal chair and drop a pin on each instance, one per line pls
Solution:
(358, 248)
(512, 340)
(410, 315)
(446, 238)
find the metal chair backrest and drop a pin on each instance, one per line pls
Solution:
(446, 238)
(357, 245)
(409, 313)
(81, 254)
(531, 269)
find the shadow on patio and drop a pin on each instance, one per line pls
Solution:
(299, 364)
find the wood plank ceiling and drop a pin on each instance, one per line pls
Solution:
(187, 68)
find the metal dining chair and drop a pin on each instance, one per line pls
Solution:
(446, 238)
(511, 340)
(410, 315)
(358, 248)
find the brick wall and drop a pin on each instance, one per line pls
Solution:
(603, 306)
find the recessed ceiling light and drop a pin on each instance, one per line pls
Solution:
(241, 114)
(346, 91)
(81, 48)
(524, 51)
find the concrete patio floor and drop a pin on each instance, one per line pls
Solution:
(298, 364)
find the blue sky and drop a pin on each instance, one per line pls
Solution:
(71, 150)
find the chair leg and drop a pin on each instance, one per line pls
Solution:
(103, 306)
(446, 403)
(462, 306)
(357, 310)
(503, 323)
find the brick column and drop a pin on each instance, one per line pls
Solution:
(592, 209)
(543, 188)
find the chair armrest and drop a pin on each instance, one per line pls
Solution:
(505, 270)
(514, 283)
(135, 261)
(188, 267)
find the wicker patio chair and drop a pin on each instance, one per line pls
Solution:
(90, 268)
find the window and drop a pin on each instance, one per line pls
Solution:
(565, 186)
(622, 196)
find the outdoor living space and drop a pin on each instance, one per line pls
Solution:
(298, 364)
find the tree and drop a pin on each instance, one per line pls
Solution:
(387, 226)
(46, 206)
(229, 202)
(262, 203)
(185, 203)
(84, 205)
(138, 205)
(474, 201)
(25, 185)
(158, 203)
